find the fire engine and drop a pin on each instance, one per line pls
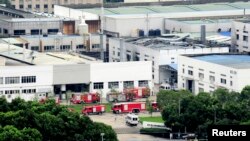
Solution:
(94, 109)
(118, 97)
(129, 107)
(80, 98)
(140, 92)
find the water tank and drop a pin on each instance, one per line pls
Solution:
(83, 28)
(157, 32)
(151, 32)
(141, 33)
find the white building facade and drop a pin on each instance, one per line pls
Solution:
(35, 82)
(206, 73)
(241, 36)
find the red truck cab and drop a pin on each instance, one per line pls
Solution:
(95, 109)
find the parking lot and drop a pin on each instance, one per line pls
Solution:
(125, 132)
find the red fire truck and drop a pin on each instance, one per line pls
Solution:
(118, 97)
(140, 92)
(95, 109)
(128, 107)
(79, 98)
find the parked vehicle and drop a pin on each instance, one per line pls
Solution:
(118, 97)
(140, 92)
(95, 109)
(132, 119)
(129, 107)
(80, 98)
(155, 106)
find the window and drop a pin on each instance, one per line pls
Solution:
(201, 89)
(245, 38)
(201, 76)
(53, 31)
(129, 57)
(28, 79)
(183, 85)
(36, 48)
(212, 72)
(211, 78)
(237, 36)
(80, 47)
(190, 72)
(128, 84)
(95, 46)
(12, 80)
(223, 81)
(38, 6)
(1, 80)
(12, 92)
(246, 47)
(118, 54)
(29, 6)
(48, 48)
(5, 31)
(231, 83)
(65, 47)
(183, 70)
(28, 91)
(113, 52)
(143, 83)
(21, 6)
(45, 5)
(113, 85)
(52, 5)
(35, 31)
(19, 32)
(98, 85)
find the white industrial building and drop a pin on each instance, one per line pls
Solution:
(206, 73)
(58, 42)
(36, 26)
(240, 35)
(31, 75)
(125, 21)
(162, 51)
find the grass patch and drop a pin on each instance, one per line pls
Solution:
(78, 107)
(152, 119)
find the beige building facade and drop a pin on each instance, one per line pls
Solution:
(46, 6)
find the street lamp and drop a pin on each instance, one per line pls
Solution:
(102, 134)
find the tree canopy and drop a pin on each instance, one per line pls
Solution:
(32, 121)
(183, 111)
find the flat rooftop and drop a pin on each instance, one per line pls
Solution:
(170, 9)
(234, 61)
(51, 36)
(207, 21)
(36, 58)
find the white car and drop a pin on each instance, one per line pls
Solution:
(132, 119)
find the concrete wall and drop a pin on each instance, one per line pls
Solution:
(208, 69)
(122, 71)
(241, 29)
(180, 26)
(42, 85)
(71, 74)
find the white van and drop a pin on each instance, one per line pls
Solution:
(166, 86)
(132, 119)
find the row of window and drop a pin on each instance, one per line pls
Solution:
(115, 84)
(211, 77)
(62, 47)
(24, 91)
(37, 6)
(32, 31)
(16, 80)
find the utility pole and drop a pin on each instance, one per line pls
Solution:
(101, 32)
